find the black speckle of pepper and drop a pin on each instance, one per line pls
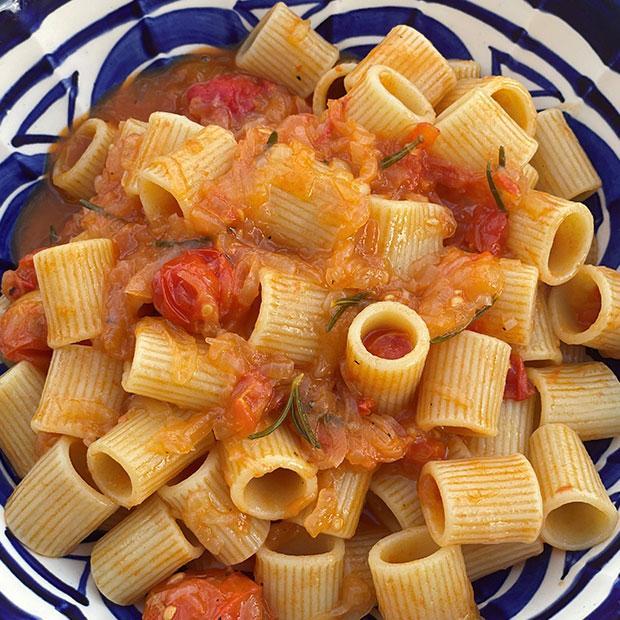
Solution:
(356, 362)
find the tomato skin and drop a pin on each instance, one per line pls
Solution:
(389, 344)
(22, 280)
(251, 398)
(194, 290)
(211, 595)
(23, 332)
(518, 386)
(426, 448)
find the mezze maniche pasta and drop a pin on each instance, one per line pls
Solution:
(268, 332)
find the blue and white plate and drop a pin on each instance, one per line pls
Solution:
(58, 57)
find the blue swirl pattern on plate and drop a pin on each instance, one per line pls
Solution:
(57, 57)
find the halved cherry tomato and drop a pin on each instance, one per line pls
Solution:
(250, 400)
(518, 386)
(22, 280)
(212, 595)
(390, 344)
(23, 332)
(194, 290)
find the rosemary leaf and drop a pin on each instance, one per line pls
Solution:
(170, 243)
(342, 304)
(458, 330)
(278, 422)
(496, 195)
(300, 420)
(388, 161)
(501, 158)
(272, 139)
(87, 204)
(54, 236)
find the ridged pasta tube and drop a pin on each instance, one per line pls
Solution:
(203, 502)
(165, 132)
(284, 48)
(71, 278)
(485, 500)
(328, 86)
(291, 319)
(571, 306)
(482, 560)
(400, 496)
(170, 365)
(474, 127)
(562, 164)
(552, 234)
(301, 576)
(82, 395)
(465, 68)
(578, 513)
(83, 158)
(414, 578)
(411, 54)
(56, 505)
(585, 397)
(408, 230)
(131, 461)
(463, 384)
(530, 175)
(269, 478)
(391, 383)
(511, 317)
(387, 103)
(141, 551)
(20, 392)
(171, 183)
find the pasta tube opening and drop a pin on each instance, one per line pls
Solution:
(111, 474)
(279, 489)
(569, 245)
(403, 549)
(567, 521)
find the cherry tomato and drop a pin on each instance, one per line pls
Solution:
(22, 280)
(23, 332)
(194, 290)
(518, 386)
(426, 448)
(212, 595)
(250, 400)
(390, 344)
(589, 309)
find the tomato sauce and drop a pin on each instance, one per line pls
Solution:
(518, 386)
(390, 344)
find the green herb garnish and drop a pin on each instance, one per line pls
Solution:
(171, 243)
(458, 330)
(272, 139)
(388, 161)
(501, 158)
(54, 236)
(496, 195)
(295, 407)
(342, 304)
(91, 206)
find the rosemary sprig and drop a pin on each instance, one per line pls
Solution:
(171, 243)
(496, 195)
(54, 236)
(501, 158)
(458, 330)
(295, 407)
(91, 206)
(272, 139)
(388, 161)
(342, 304)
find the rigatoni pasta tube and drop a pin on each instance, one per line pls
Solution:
(170, 365)
(20, 392)
(481, 500)
(552, 234)
(269, 478)
(400, 496)
(530, 175)
(517, 421)
(142, 550)
(578, 513)
(203, 502)
(482, 560)
(410, 53)
(414, 578)
(83, 158)
(329, 87)
(391, 383)
(474, 127)
(463, 384)
(284, 48)
(544, 345)
(82, 395)
(164, 133)
(291, 318)
(387, 103)
(408, 230)
(170, 183)
(562, 164)
(586, 310)
(464, 68)
(56, 505)
(510, 318)
(132, 461)
(71, 278)
(339, 503)
(301, 576)
(585, 397)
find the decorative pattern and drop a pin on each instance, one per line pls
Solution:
(57, 57)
